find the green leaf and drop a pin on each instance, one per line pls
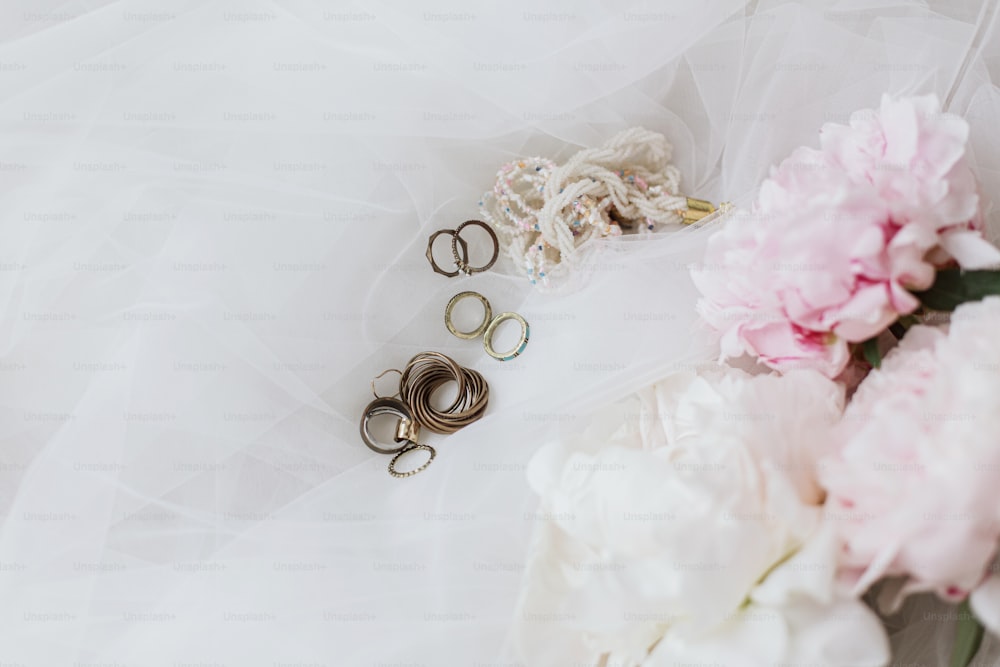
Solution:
(870, 350)
(953, 287)
(968, 637)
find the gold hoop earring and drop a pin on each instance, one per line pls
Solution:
(379, 377)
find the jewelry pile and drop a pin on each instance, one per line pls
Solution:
(425, 373)
(412, 405)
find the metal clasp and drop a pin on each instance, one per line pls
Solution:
(696, 210)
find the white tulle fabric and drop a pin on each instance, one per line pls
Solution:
(215, 217)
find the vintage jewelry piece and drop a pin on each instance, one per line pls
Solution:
(401, 453)
(455, 240)
(418, 381)
(462, 260)
(428, 371)
(487, 328)
(696, 210)
(407, 431)
(379, 376)
(546, 214)
(492, 328)
(478, 331)
(463, 264)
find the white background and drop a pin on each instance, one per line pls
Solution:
(213, 222)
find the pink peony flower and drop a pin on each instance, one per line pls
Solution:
(913, 490)
(839, 237)
(914, 157)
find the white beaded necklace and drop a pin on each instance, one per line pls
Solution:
(543, 212)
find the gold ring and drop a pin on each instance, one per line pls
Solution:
(423, 466)
(406, 431)
(463, 263)
(492, 328)
(478, 331)
(455, 240)
(428, 371)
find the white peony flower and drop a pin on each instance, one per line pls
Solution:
(673, 529)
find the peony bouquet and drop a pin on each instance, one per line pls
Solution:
(845, 240)
(844, 453)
